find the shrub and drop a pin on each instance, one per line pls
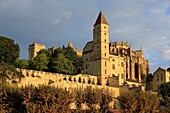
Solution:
(49, 99)
(96, 99)
(138, 102)
(11, 100)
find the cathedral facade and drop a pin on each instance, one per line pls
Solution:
(114, 63)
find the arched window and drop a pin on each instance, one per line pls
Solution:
(113, 66)
(105, 71)
(113, 75)
(122, 64)
(83, 81)
(79, 80)
(105, 63)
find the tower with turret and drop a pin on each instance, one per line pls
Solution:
(101, 47)
(115, 63)
(96, 52)
(33, 49)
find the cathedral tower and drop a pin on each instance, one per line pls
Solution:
(101, 48)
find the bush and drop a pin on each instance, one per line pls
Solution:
(96, 99)
(164, 93)
(139, 102)
(11, 100)
(42, 99)
(49, 99)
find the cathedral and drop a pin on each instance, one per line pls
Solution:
(114, 63)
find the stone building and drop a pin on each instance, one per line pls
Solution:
(79, 52)
(111, 63)
(34, 48)
(115, 63)
(160, 76)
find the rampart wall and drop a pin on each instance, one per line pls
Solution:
(68, 82)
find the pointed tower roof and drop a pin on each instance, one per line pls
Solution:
(101, 19)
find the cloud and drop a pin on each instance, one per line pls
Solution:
(143, 23)
(65, 15)
(156, 11)
(129, 29)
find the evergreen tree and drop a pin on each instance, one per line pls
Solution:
(9, 51)
(61, 64)
(22, 64)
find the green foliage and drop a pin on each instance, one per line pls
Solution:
(60, 64)
(74, 58)
(40, 62)
(139, 102)
(11, 100)
(164, 89)
(164, 93)
(9, 51)
(61, 60)
(8, 72)
(22, 64)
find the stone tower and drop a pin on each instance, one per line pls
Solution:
(101, 48)
(115, 63)
(34, 48)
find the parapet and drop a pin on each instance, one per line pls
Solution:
(37, 44)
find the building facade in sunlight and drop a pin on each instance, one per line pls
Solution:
(33, 49)
(160, 76)
(112, 64)
(36, 47)
(115, 63)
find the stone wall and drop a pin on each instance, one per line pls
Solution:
(68, 82)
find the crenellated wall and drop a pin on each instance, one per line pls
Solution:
(67, 82)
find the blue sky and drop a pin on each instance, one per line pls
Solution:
(143, 23)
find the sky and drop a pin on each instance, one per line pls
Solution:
(142, 23)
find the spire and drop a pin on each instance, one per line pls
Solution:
(101, 19)
(70, 45)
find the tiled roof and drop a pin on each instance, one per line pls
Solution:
(101, 19)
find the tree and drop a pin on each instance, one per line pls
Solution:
(74, 58)
(9, 51)
(11, 100)
(40, 62)
(164, 92)
(60, 64)
(8, 72)
(97, 99)
(164, 89)
(60, 60)
(138, 102)
(22, 64)
(30, 99)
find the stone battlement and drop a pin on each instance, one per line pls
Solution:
(68, 82)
